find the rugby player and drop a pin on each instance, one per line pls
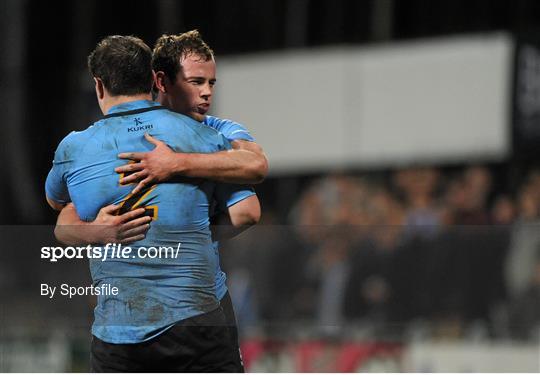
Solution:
(185, 77)
(167, 316)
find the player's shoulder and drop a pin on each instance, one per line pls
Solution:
(201, 138)
(75, 141)
(212, 121)
(168, 117)
(71, 141)
(69, 145)
(218, 122)
(192, 125)
(232, 130)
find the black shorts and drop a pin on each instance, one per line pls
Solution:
(198, 344)
(227, 306)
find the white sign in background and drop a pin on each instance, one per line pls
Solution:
(429, 101)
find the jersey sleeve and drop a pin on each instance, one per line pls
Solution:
(56, 183)
(228, 195)
(222, 143)
(233, 131)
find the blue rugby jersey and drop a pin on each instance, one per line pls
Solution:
(153, 293)
(233, 131)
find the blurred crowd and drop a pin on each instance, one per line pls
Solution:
(448, 251)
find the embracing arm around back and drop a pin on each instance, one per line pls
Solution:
(245, 163)
(106, 228)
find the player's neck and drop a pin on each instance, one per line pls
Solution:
(111, 101)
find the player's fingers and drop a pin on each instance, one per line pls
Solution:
(110, 209)
(141, 185)
(132, 155)
(130, 215)
(132, 178)
(152, 140)
(131, 167)
(136, 231)
(129, 240)
(141, 221)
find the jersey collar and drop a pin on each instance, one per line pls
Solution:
(130, 108)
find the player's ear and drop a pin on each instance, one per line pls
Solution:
(161, 81)
(100, 89)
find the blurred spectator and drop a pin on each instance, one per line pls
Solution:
(503, 215)
(369, 290)
(470, 202)
(503, 211)
(426, 246)
(525, 312)
(418, 185)
(332, 268)
(525, 241)
(325, 216)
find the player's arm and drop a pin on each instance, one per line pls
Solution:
(245, 163)
(237, 208)
(106, 228)
(236, 219)
(54, 204)
(56, 191)
(70, 229)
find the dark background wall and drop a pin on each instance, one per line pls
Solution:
(46, 92)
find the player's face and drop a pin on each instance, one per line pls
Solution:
(191, 94)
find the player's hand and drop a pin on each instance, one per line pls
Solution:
(149, 167)
(126, 228)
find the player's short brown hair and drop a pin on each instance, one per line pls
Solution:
(170, 50)
(123, 63)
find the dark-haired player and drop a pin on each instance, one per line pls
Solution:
(185, 77)
(166, 316)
